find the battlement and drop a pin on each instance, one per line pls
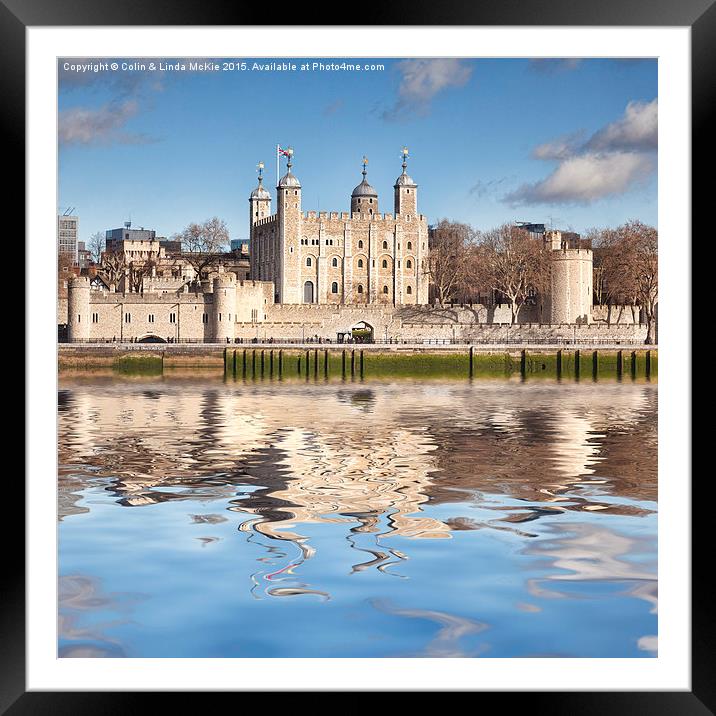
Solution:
(565, 252)
(266, 220)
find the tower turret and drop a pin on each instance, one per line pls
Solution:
(570, 296)
(288, 197)
(224, 307)
(259, 208)
(364, 199)
(406, 191)
(78, 313)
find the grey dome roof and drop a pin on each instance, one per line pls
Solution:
(289, 179)
(404, 180)
(260, 193)
(364, 189)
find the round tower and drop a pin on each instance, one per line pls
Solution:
(78, 309)
(570, 286)
(406, 191)
(224, 312)
(364, 199)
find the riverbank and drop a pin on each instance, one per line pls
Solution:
(365, 361)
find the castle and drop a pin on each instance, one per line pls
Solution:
(361, 257)
(326, 275)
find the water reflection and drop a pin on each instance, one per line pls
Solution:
(355, 479)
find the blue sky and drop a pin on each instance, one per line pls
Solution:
(571, 142)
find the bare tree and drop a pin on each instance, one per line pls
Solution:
(448, 265)
(512, 263)
(637, 257)
(203, 244)
(113, 266)
(95, 246)
(137, 272)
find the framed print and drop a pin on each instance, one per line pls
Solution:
(372, 354)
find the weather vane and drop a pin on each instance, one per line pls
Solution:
(365, 164)
(260, 169)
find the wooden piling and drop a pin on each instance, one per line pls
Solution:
(353, 363)
(647, 365)
(343, 363)
(262, 363)
(523, 362)
(595, 365)
(361, 366)
(280, 364)
(559, 363)
(253, 363)
(271, 363)
(633, 364)
(243, 365)
(620, 364)
(325, 363)
(577, 364)
(315, 363)
(472, 362)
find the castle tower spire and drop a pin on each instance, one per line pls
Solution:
(406, 190)
(364, 198)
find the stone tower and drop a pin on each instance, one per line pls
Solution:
(570, 299)
(288, 198)
(364, 199)
(259, 201)
(78, 305)
(224, 313)
(406, 192)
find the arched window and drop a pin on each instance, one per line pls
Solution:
(385, 263)
(385, 289)
(308, 261)
(410, 245)
(334, 262)
(334, 287)
(409, 290)
(360, 263)
(360, 288)
(408, 264)
(360, 244)
(385, 244)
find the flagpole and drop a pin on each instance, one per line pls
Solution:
(278, 146)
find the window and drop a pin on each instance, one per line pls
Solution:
(308, 261)
(150, 318)
(360, 263)
(204, 317)
(360, 244)
(95, 318)
(410, 245)
(127, 317)
(334, 262)
(385, 263)
(173, 317)
(385, 289)
(385, 244)
(408, 264)
(409, 290)
(360, 288)
(334, 287)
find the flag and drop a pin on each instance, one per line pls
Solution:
(285, 152)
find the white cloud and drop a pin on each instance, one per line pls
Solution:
(637, 129)
(81, 125)
(422, 80)
(613, 160)
(559, 148)
(585, 178)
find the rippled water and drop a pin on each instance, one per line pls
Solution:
(496, 519)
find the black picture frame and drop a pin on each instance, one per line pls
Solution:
(699, 15)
